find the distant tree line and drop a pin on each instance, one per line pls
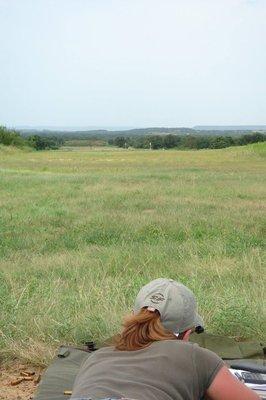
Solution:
(10, 137)
(105, 134)
(189, 139)
(186, 141)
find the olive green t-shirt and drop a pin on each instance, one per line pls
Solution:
(166, 370)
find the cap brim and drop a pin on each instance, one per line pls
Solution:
(198, 321)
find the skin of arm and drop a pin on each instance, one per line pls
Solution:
(225, 386)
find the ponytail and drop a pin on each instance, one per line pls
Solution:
(141, 329)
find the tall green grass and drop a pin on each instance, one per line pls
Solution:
(82, 231)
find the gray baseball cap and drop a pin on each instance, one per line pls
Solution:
(174, 301)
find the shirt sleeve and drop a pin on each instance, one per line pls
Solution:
(207, 365)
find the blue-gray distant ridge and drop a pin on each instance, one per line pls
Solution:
(230, 127)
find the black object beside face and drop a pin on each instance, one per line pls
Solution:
(199, 329)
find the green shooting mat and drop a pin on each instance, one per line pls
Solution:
(61, 373)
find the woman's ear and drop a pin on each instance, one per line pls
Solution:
(186, 335)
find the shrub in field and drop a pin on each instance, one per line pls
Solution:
(219, 142)
(251, 138)
(119, 141)
(10, 137)
(44, 143)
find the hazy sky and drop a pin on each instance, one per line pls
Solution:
(132, 62)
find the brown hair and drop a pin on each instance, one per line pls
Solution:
(141, 329)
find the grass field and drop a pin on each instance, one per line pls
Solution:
(82, 230)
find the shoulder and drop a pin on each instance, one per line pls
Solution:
(99, 354)
(174, 343)
(173, 348)
(201, 354)
(206, 365)
(105, 351)
(198, 353)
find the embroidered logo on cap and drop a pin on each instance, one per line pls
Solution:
(157, 298)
